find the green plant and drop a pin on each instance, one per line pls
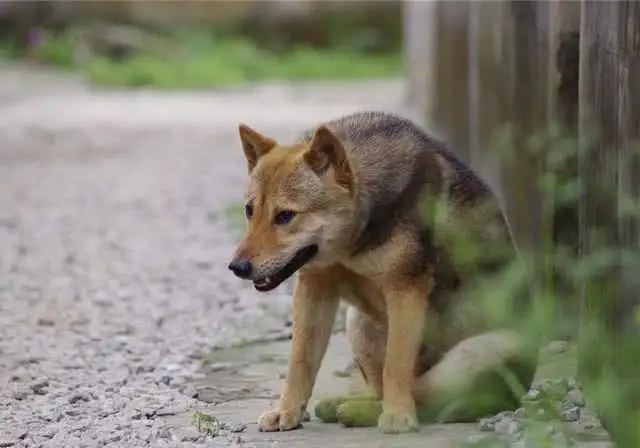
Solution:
(596, 283)
(209, 61)
(207, 424)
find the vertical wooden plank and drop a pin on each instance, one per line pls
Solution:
(451, 103)
(531, 100)
(565, 165)
(490, 48)
(419, 47)
(610, 100)
(471, 79)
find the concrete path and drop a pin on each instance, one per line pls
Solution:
(253, 376)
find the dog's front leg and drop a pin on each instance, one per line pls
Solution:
(406, 316)
(315, 304)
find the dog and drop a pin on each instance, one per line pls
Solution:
(370, 209)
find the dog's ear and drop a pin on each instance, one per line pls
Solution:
(327, 154)
(254, 145)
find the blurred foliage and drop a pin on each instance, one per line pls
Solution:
(593, 289)
(239, 62)
(202, 60)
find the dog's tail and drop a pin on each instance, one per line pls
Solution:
(482, 375)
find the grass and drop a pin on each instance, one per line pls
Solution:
(206, 61)
(239, 63)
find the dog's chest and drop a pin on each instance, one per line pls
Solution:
(363, 294)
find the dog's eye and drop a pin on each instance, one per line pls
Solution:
(248, 211)
(284, 217)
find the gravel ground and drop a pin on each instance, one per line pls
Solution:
(114, 241)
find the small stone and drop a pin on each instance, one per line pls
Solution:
(554, 388)
(576, 397)
(144, 369)
(486, 424)
(564, 406)
(507, 427)
(39, 386)
(236, 427)
(557, 347)
(520, 414)
(43, 322)
(79, 397)
(532, 395)
(570, 415)
(165, 379)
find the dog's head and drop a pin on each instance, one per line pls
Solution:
(299, 205)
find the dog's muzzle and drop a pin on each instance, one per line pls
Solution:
(271, 282)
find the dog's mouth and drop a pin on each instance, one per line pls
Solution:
(302, 257)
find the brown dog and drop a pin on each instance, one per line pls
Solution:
(370, 209)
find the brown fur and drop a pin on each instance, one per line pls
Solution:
(359, 186)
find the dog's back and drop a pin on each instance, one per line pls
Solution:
(400, 169)
(394, 157)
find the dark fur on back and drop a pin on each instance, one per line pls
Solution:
(395, 180)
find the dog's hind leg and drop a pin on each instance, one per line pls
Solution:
(482, 375)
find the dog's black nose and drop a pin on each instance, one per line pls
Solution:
(241, 268)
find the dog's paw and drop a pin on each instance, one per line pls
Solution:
(398, 422)
(280, 420)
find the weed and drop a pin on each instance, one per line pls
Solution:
(207, 424)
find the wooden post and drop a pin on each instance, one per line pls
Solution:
(532, 99)
(609, 172)
(419, 45)
(472, 68)
(451, 66)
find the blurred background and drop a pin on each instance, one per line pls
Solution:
(121, 180)
(196, 44)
